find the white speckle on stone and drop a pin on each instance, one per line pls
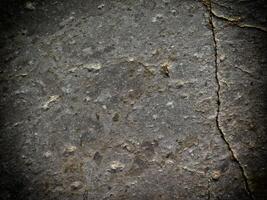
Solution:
(166, 1)
(70, 149)
(104, 107)
(117, 165)
(47, 154)
(169, 161)
(160, 137)
(222, 58)
(76, 185)
(101, 6)
(216, 175)
(51, 99)
(133, 182)
(130, 59)
(31, 62)
(157, 17)
(173, 11)
(92, 66)
(170, 104)
(128, 146)
(87, 99)
(155, 117)
(66, 21)
(72, 42)
(29, 5)
(137, 107)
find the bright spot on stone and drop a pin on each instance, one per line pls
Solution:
(47, 154)
(104, 107)
(51, 99)
(76, 185)
(92, 66)
(157, 17)
(170, 103)
(116, 165)
(155, 117)
(216, 175)
(222, 58)
(101, 6)
(70, 149)
(29, 5)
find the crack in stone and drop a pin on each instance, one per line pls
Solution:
(235, 21)
(247, 72)
(208, 5)
(209, 193)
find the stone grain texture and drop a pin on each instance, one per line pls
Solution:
(133, 100)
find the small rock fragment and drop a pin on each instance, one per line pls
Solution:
(47, 154)
(51, 99)
(222, 58)
(155, 117)
(165, 69)
(170, 104)
(157, 17)
(29, 5)
(76, 185)
(70, 149)
(66, 21)
(72, 42)
(104, 107)
(178, 83)
(127, 146)
(173, 11)
(87, 99)
(92, 66)
(116, 166)
(101, 6)
(22, 75)
(216, 175)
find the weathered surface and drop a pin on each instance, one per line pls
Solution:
(242, 74)
(245, 13)
(131, 100)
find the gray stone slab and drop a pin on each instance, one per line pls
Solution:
(119, 100)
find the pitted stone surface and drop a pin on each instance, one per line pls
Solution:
(119, 100)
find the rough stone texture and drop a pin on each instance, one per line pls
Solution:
(247, 13)
(132, 100)
(242, 76)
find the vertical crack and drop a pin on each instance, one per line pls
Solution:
(208, 5)
(209, 193)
